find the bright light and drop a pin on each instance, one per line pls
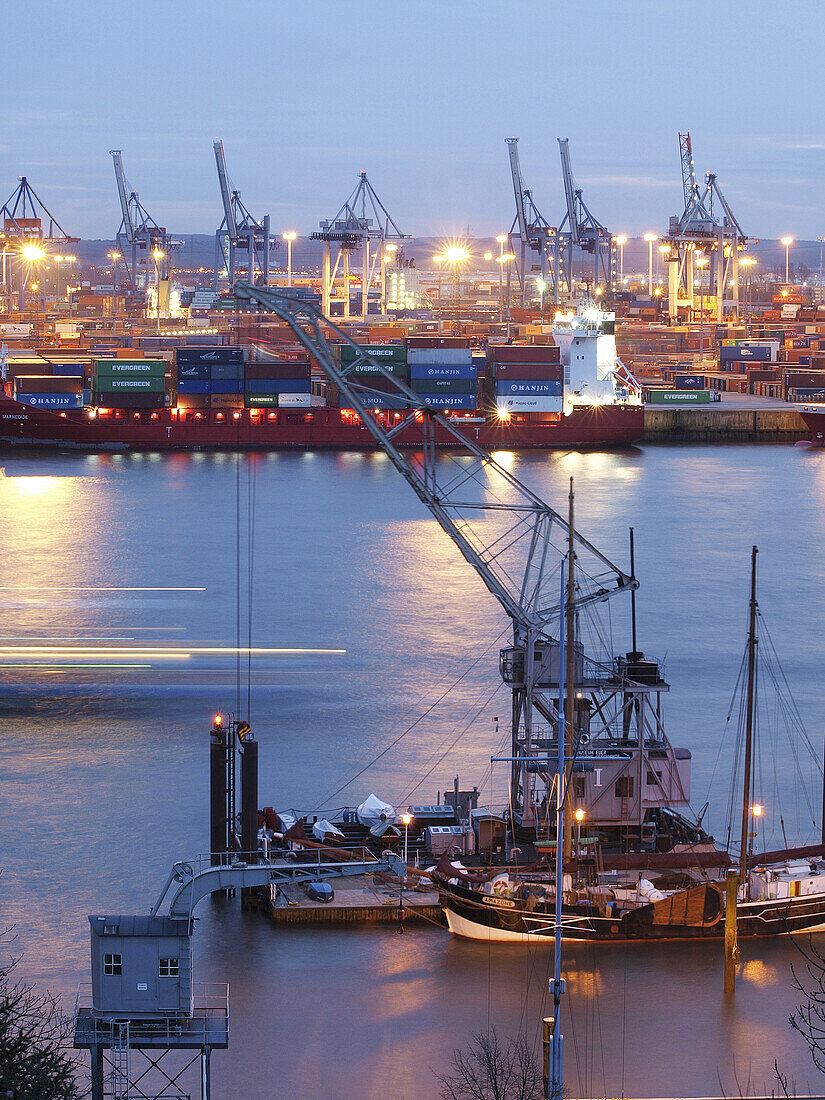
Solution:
(756, 810)
(787, 240)
(664, 248)
(488, 256)
(455, 254)
(621, 240)
(748, 261)
(501, 238)
(542, 285)
(649, 237)
(290, 236)
(579, 815)
(218, 719)
(392, 248)
(58, 259)
(32, 252)
(503, 414)
(438, 259)
(701, 261)
(158, 254)
(406, 819)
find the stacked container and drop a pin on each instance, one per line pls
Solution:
(527, 379)
(129, 383)
(393, 357)
(442, 372)
(44, 391)
(209, 377)
(279, 382)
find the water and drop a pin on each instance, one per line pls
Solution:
(103, 771)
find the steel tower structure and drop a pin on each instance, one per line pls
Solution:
(361, 223)
(240, 237)
(140, 239)
(580, 229)
(699, 230)
(529, 225)
(25, 218)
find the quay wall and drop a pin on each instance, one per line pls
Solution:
(708, 425)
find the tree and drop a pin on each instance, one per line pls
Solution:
(493, 1070)
(35, 1063)
(809, 1018)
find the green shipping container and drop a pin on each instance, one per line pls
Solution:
(686, 397)
(125, 384)
(114, 368)
(259, 400)
(391, 356)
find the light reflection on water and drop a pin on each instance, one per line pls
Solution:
(103, 772)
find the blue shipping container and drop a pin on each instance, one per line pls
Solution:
(195, 371)
(442, 370)
(740, 351)
(528, 388)
(277, 385)
(226, 370)
(52, 400)
(689, 382)
(67, 370)
(225, 385)
(450, 400)
(197, 385)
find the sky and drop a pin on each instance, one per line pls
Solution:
(421, 95)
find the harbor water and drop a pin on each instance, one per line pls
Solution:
(379, 639)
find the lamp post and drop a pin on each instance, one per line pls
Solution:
(579, 816)
(621, 241)
(157, 255)
(32, 254)
(787, 241)
(114, 257)
(500, 239)
(747, 262)
(289, 238)
(405, 821)
(650, 238)
(58, 260)
(456, 255)
(702, 263)
(438, 261)
(821, 242)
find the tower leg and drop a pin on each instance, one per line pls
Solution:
(206, 1074)
(325, 280)
(97, 1073)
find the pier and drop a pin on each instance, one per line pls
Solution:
(735, 419)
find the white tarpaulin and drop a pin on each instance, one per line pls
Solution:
(373, 812)
(325, 830)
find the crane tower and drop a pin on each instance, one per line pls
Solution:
(240, 238)
(579, 229)
(529, 225)
(144, 245)
(25, 219)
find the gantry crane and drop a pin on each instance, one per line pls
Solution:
(529, 225)
(25, 240)
(580, 229)
(239, 236)
(144, 245)
(699, 234)
(361, 222)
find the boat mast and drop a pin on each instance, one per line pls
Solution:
(554, 1077)
(749, 713)
(570, 676)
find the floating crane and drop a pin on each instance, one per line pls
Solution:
(240, 236)
(143, 244)
(580, 229)
(530, 226)
(361, 223)
(699, 233)
(24, 236)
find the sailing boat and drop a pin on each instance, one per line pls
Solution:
(779, 892)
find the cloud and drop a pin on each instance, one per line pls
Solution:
(629, 181)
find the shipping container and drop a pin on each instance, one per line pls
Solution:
(194, 372)
(383, 353)
(450, 400)
(455, 370)
(226, 400)
(505, 371)
(531, 353)
(441, 357)
(277, 385)
(806, 394)
(742, 351)
(300, 401)
(272, 369)
(225, 385)
(223, 354)
(444, 385)
(689, 381)
(132, 400)
(526, 387)
(415, 342)
(155, 384)
(505, 405)
(667, 397)
(52, 400)
(225, 371)
(69, 370)
(46, 383)
(110, 368)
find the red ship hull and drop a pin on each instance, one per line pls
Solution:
(315, 429)
(814, 417)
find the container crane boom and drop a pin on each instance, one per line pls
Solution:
(226, 197)
(518, 187)
(123, 195)
(569, 189)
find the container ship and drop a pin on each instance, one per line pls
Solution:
(814, 416)
(573, 392)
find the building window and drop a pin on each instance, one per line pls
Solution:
(624, 786)
(113, 965)
(168, 968)
(578, 786)
(653, 777)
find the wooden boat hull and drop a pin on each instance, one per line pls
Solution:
(694, 914)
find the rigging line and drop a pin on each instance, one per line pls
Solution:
(251, 494)
(420, 717)
(727, 720)
(238, 578)
(453, 743)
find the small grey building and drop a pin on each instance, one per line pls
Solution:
(141, 967)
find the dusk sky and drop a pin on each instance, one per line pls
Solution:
(421, 95)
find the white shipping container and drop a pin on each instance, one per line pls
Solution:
(529, 404)
(15, 329)
(439, 357)
(300, 401)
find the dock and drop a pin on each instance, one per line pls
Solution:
(735, 419)
(360, 899)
